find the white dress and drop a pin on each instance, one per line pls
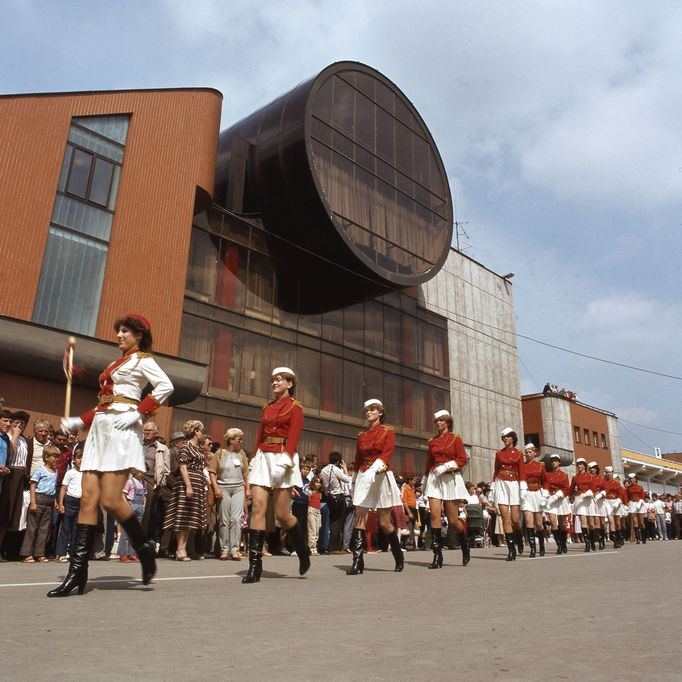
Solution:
(106, 447)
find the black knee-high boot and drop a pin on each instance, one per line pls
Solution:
(564, 539)
(586, 538)
(541, 541)
(256, 540)
(78, 566)
(559, 543)
(295, 534)
(437, 547)
(396, 550)
(357, 545)
(531, 541)
(145, 550)
(509, 538)
(638, 535)
(593, 539)
(601, 537)
(518, 539)
(464, 544)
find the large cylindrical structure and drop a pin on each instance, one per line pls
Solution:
(348, 182)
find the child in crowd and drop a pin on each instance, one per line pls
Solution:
(69, 505)
(134, 492)
(313, 490)
(43, 491)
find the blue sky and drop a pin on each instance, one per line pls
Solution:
(560, 124)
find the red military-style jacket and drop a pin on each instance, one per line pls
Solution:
(614, 490)
(375, 443)
(581, 483)
(445, 447)
(535, 474)
(280, 426)
(555, 481)
(598, 483)
(509, 465)
(634, 492)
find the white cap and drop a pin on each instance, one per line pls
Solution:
(530, 446)
(283, 370)
(592, 464)
(608, 470)
(632, 476)
(581, 459)
(373, 401)
(555, 456)
(441, 414)
(506, 431)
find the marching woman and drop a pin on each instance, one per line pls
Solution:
(598, 506)
(614, 494)
(375, 486)
(509, 486)
(533, 503)
(635, 497)
(557, 486)
(275, 467)
(582, 496)
(114, 447)
(445, 486)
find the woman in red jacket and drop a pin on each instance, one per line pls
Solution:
(274, 469)
(444, 485)
(582, 496)
(615, 496)
(375, 486)
(635, 496)
(557, 488)
(509, 481)
(533, 502)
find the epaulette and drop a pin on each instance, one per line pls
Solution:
(143, 354)
(388, 428)
(296, 402)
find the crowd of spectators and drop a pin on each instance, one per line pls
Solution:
(194, 500)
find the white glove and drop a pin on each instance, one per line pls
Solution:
(545, 492)
(71, 424)
(127, 419)
(284, 460)
(588, 493)
(553, 498)
(523, 486)
(600, 495)
(444, 468)
(280, 469)
(370, 475)
(543, 502)
(378, 466)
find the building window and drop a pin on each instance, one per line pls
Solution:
(586, 434)
(604, 444)
(576, 430)
(595, 439)
(75, 256)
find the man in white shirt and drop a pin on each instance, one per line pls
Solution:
(659, 507)
(334, 476)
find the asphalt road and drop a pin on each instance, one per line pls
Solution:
(599, 616)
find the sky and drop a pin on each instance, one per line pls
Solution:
(559, 123)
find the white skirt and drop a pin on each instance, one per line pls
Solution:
(260, 472)
(381, 493)
(600, 508)
(611, 507)
(446, 487)
(622, 510)
(110, 449)
(584, 506)
(506, 492)
(636, 507)
(533, 502)
(560, 507)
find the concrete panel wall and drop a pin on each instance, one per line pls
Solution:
(484, 376)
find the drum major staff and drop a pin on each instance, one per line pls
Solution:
(114, 447)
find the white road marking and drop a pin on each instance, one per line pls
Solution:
(94, 582)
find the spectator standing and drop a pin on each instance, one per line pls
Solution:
(41, 437)
(69, 505)
(134, 491)
(299, 506)
(187, 508)
(166, 494)
(157, 468)
(333, 477)
(409, 500)
(228, 471)
(659, 509)
(16, 481)
(314, 493)
(43, 491)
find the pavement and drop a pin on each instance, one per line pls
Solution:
(599, 616)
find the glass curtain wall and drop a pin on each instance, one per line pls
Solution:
(387, 348)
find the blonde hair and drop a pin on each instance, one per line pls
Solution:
(234, 432)
(189, 428)
(51, 451)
